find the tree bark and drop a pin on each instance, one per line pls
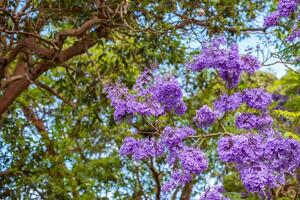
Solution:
(187, 191)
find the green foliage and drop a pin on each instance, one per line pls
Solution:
(292, 116)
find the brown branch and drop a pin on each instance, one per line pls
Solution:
(16, 88)
(31, 45)
(5, 82)
(29, 34)
(51, 59)
(39, 124)
(79, 32)
(155, 175)
(187, 191)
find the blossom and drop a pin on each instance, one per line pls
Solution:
(251, 121)
(121, 100)
(193, 160)
(286, 7)
(228, 62)
(173, 137)
(262, 161)
(294, 35)
(177, 178)
(272, 19)
(141, 149)
(257, 98)
(149, 96)
(249, 63)
(168, 93)
(228, 103)
(129, 146)
(214, 193)
(205, 117)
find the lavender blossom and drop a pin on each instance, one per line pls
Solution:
(257, 98)
(214, 193)
(228, 103)
(205, 117)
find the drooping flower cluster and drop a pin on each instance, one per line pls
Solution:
(192, 161)
(148, 97)
(228, 62)
(141, 149)
(186, 161)
(295, 34)
(284, 9)
(214, 193)
(257, 98)
(250, 121)
(228, 103)
(261, 161)
(205, 117)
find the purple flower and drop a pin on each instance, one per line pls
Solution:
(257, 98)
(228, 103)
(147, 147)
(121, 100)
(262, 161)
(258, 177)
(214, 193)
(177, 178)
(272, 19)
(228, 62)
(240, 149)
(251, 121)
(173, 137)
(283, 154)
(129, 146)
(168, 94)
(205, 117)
(230, 76)
(141, 149)
(286, 7)
(294, 35)
(249, 63)
(193, 160)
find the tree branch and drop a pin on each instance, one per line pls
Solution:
(155, 175)
(79, 32)
(39, 124)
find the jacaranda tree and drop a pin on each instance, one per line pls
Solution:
(110, 100)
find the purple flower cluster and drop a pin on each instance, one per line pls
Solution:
(205, 117)
(261, 161)
(284, 9)
(149, 97)
(121, 100)
(228, 62)
(272, 19)
(251, 121)
(294, 35)
(214, 193)
(228, 103)
(257, 98)
(191, 161)
(141, 149)
(186, 161)
(168, 94)
(173, 138)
